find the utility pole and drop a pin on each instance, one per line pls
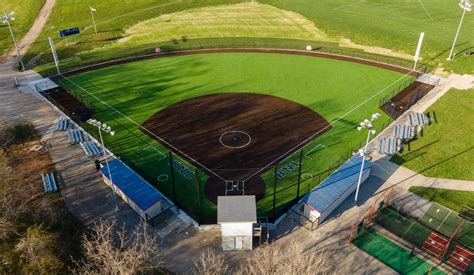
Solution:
(93, 19)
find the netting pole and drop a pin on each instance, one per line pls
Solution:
(456, 232)
(172, 177)
(198, 200)
(274, 190)
(299, 175)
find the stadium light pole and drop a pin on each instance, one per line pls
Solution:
(369, 125)
(465, 5)
(6, 17)
(104, 127)
(93, 19)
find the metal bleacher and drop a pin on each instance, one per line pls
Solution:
(91, 149)
(75, 136)
(389, 146)
(62, 125)
(49, 183)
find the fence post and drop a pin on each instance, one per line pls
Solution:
(274, 190)
(299, 175)
(198, 194)
(172, 177)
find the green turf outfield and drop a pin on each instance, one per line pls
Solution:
(25, 13)
(329, 87)
(392, 255)
(446, 149)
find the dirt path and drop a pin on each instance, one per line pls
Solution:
(34, 32)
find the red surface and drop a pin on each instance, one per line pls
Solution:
(460, 258)
(435, 244)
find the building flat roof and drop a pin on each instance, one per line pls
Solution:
(236, 209)
(324, 195)
(131, 184)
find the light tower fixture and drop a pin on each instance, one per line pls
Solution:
(106, 128)
(6, 17)
(465, 5)
(369, 125)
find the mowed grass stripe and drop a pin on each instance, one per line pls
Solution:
(241, 20)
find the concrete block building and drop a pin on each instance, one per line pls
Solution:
(237, 216)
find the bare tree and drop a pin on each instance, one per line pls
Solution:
(293, 259)
(36, 250)
(209, 262)
(113, 250)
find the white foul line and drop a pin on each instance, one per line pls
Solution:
(327, 126)
(141, 127)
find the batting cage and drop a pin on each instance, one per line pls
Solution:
(423, 227)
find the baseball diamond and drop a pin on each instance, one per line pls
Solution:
(267, 126)
(179, 135)
(207, 123)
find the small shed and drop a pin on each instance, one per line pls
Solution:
(133, 189)
(237, 216)
(326, 197)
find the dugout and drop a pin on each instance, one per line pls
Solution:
(133, 189)
(237, 216)
(326, 197)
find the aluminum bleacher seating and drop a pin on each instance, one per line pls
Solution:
(91, 149)
(75, 136)
(49, 183)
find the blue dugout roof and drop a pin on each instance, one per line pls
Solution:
(336, 184)
(135, 187)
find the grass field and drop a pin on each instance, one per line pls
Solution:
(453, 199)
(446, 149)
(392, 254)
(140, 89)
(364, 22)
(393, 24)
(240, 20)
(25, 14)
(112, 20)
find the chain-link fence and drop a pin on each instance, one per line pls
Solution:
(430, 227)
(119, 54)
(285, 181)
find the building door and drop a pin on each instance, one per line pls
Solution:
(238, 243)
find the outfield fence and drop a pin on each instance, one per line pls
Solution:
(114, 54)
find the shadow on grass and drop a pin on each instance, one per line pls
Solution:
(400, 160)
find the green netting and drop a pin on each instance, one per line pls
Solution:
(187, 185)
(391, 254)
(287, 177)
(466, 237)
(403, 227)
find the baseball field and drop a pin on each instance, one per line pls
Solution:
(246, 118)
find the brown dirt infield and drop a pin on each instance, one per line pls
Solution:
(198, 126)
(401, 102)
